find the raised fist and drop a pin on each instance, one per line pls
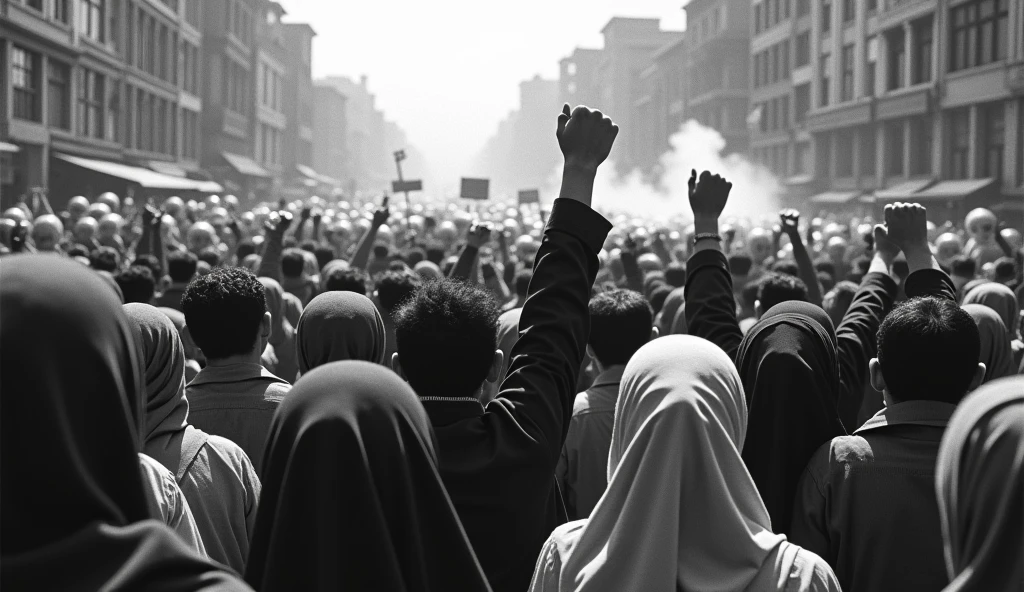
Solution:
(790, 221)
(381, 214)
(478, 235)
(709, 195)
(907, 226)
(883, 245)
(278, 227)
(585, 137)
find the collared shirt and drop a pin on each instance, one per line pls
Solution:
(866, 502)
(236, 402)
(582, 470)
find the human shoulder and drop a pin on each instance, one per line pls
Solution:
(811, 573)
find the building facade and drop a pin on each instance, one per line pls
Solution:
(330, 130)
(298, 106)
(660, 107)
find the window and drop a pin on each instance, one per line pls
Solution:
(192, 12)
(870, 62)
(826, 74)
(801, 158)
(897, 58)
(37, 4)
(773, 64)
(959, 136)
(801, 102)
(784, 56)
(849, 11)
(803, 7)
(90, 14)
(59, 95)
(25, 82)
(90, 104)
(868, 152)
(803, 49)
(872, 5)
(993, 124)
(59, 10)
(824, 155)
(757, 70)
(113, 110)
(894, 148)
(847, 84)
(922, 50)
(921, 142)
(826, 17)
(757, 18)
(190, 135)
(844, 153)
(979, 33)
(785, 8)
(784, 112)
(776, 10)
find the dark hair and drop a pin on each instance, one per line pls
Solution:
(394, 287)
(150, 262)
(826, 266)
(324, 255)
(780, 287)
(181, 266)
(435, 254)
(414, 256)
(105, 259)
(964, 266)
(675, 274)
(223, 310)
(838, 300)
(137, 284)
(77, 250)
(447, 333)
(308, 246)
(620, 324)
(380, 251)
(211, 256)
(659, 295)
(748, 294)
(740, 264)
(245, 248)
(1005, 269)
(786, 267)
(522, 282)
(928, 349)
(349, 279)
(292, 263)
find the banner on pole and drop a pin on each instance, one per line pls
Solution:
(529, 196)
(475, 188)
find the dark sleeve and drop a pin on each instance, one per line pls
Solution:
(270, 262)
(930, 282)
(809, 527)
(463, 268)
(856, 339)
(709, 303)
(509, 273)
(633, 276)
(555, 325)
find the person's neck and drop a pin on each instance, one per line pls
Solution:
(252, 357)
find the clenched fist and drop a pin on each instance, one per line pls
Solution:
(708, 196)
(585, 137)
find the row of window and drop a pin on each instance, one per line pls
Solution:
(775, 114)
(271, 86)
(268, 145)
(711, 23)
(240, 21)
(57, 10)
(152, 44)
(236, 86)
(769, 13)
(153, 120)
(772, 64)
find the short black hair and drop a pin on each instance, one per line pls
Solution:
(740, 264)
(446, 335)
(774, 288)
(211, 256)
(414, 256)
(658, 296)
(223, 310)
(181, 266)
(308, 246)
(292, 263)
(105, 259)
(77, 250)
(675, 274)
(395, 287)
(245, 248)
(786, 267)
(435, 254)
(1005, 269)
(964, 266)
(380, 251)
(928, 349)
(522, 282)
(137, 284)
(838, 300)
(150, 262)
(620, 324)
(348, 279)
(324, 255)
(826, 280)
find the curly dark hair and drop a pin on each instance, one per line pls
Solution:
(394, 287)
(345, 280)
(620, 324)
(137, 284)
(780, 287)
(223, 310)
(105, 259)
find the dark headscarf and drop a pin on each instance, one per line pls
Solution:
(979, 483)
(351, 494)
(1000, 299)
(789, 363)
(74, 511)
(338, 326)
(996, 350)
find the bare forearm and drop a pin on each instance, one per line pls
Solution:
(806, 267)
(464, 266)
(362, 255)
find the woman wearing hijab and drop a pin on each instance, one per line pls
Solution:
(338, 326)
(681, 511)
(790, 369)
(979, 482)
(667, 316)
(74, 513)
(282, 337)
(352, 497)
(1002, 300)
(996, 351)
(216, 477)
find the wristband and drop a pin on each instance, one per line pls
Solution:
(707, 236)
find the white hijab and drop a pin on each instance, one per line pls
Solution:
(680, 511)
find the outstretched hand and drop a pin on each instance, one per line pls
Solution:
(790, 222)
(479, 235)
(277, 228)
(907, 226)
(708, 196)
(585, 137)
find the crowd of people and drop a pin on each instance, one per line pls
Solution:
(337, 395)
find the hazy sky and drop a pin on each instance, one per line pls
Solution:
(448, 71)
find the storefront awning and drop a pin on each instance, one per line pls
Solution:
(903, 190)
(245, 165)
(8, 147)
(144, 177)
(305, 171)
(835, 197)
(955, 189)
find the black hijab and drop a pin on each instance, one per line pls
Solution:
(351, 494)
(789, 363)
(74, 512)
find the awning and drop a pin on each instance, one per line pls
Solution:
(167, 168)
(8, 147)
(798, 180)
(835, 197)
(307, 172)
(955, 189)
(245, 165)
(906, 189)
(144, 177)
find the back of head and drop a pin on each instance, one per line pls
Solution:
(223, 310)
(675, 274)
(137, 284)
(522, 282)
(347, 279)
(292, 263)
(775, 288)
(105, 259)
(210, 256)
(447, 336)
(786, 267)
(1005, 270)
(150, 262)
(928, 349)
(394, 287)
(620, 324)
(740, 264)
(337, 326)
(181, 266)
(324, 255)
(825, 265)
(964, 266)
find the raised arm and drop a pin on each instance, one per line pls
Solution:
(540, 385)
(362, 255)
(710, 305)
(631, 271)
(790, 223)
(270, 262)
(476, 237)
(907, 225)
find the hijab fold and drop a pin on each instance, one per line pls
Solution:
(338, 326)
(1000, 299)
(996, 348)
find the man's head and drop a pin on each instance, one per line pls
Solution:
(47, 230)
(740, 265)
(211, 256)
(181, 266)
(522, 283)
(105, 259)
(293, 262)
(137, 284)
(85, 230)
(928, 349)
(447, 339)
(1004, 271)
(778, 287)
(620, 323)
(981, 224)
(151, 262)
(394, 288)
(226, 313)
(759, 245)
(787, 267)
(348, 279)
(675, 274)
(324, 255)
